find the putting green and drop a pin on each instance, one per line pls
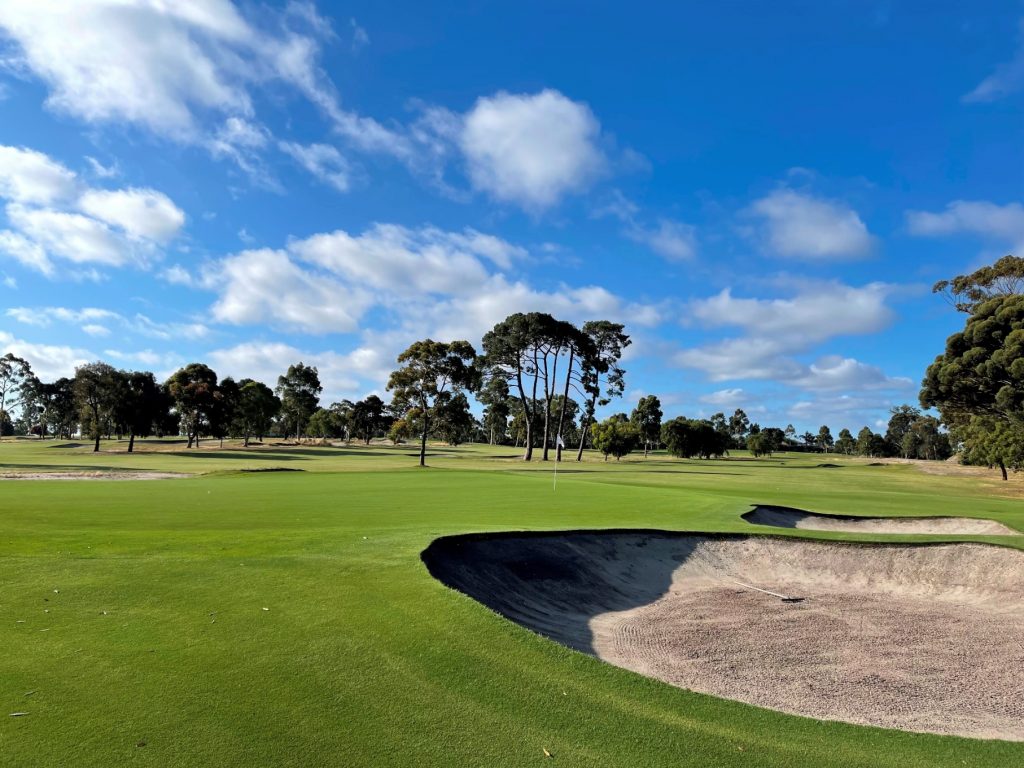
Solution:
(134, 629)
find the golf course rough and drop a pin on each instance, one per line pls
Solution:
(911, 636)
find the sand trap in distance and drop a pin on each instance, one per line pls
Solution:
(785, 517)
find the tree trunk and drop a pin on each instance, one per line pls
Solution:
(246, 441)
(1002, 468)
(96, 445)
(131, 442)
(584, 424)
(423, 440)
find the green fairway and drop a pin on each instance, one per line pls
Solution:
(285, 618)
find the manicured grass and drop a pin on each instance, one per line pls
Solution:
(158, 650)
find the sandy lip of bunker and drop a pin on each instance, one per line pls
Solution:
(93, 475)
(921, 637)
(785, 517)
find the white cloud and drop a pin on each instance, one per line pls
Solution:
(776, 331)
(51, 215)
(360, 37)
(94, 329)
(322, 160)
(674, 240)
(48, 361)
(978, 217)
(1006, 79)
(102, 171)
(258, 286)
(177, 275)
(340, 374)
(90, 320)
(820, 311)
(143, 213)
(27, 176)
(797, 225)
(531, 149)
(733, 397)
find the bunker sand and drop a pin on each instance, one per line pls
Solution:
(784, 517)
(918, 637)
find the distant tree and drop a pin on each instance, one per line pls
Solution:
(602, 376)
(846, 444)
(400, 431)
(95, 395)
(790, 433)
(990, 442)
(14, 373)
(194, 392)
(429, 369)
(142, 406)
(615, 437)
(825, 441)
(809, 440)
(59, 411)
(328, 423)
(225, 407)
(689, 438)
(453, 421)
(494, 396)
(739, 427)
(368, 418)
(299, 389)
(646, 417)
(257, 407)
(901, 422)
(864, 441)
(930, 441)
(776, 438)
(759, 444)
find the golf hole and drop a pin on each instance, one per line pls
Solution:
(920, 637)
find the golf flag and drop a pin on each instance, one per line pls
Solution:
(561, 443)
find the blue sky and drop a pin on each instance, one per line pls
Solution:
(762, 194)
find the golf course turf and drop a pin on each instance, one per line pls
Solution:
(286, 618)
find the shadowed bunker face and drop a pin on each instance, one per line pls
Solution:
(917, 637)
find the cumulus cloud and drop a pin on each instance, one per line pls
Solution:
(1004, 223)
(264, 285)
(775, 332)
(798, 225)
(48, 361)
(734, 397)
(93, 320)
(531, 149)
(51, 215)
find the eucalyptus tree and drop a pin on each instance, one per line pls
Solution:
(141, 404)
(369, 417)
(429, 370)
(15, 373)
(824, 440)
(846, 444)
(615, 437)
(299, 389)
(96, 393)
(494, 396)
(602, 377)
(193, 390)
(646, 417)
(256, 409)
(977, 384)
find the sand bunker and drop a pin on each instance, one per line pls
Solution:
(784, 517)
(103, 475)
(919, 637)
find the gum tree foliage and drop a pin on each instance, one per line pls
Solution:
(255, 411)
(430, 369)
(453, 421)
(369, 417)
(739, 427)
(689, 438)
(646, 417)
(614, 437)
(825, 441)
(759, 444)
(331, 423)
(15, 372)
(494, 396)
(602, 377)
(222, 416)
(193, 390)
(977, 384)
(141, 405)
(299, 389)
(846, 443)
(96, 398)
(540, 357)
